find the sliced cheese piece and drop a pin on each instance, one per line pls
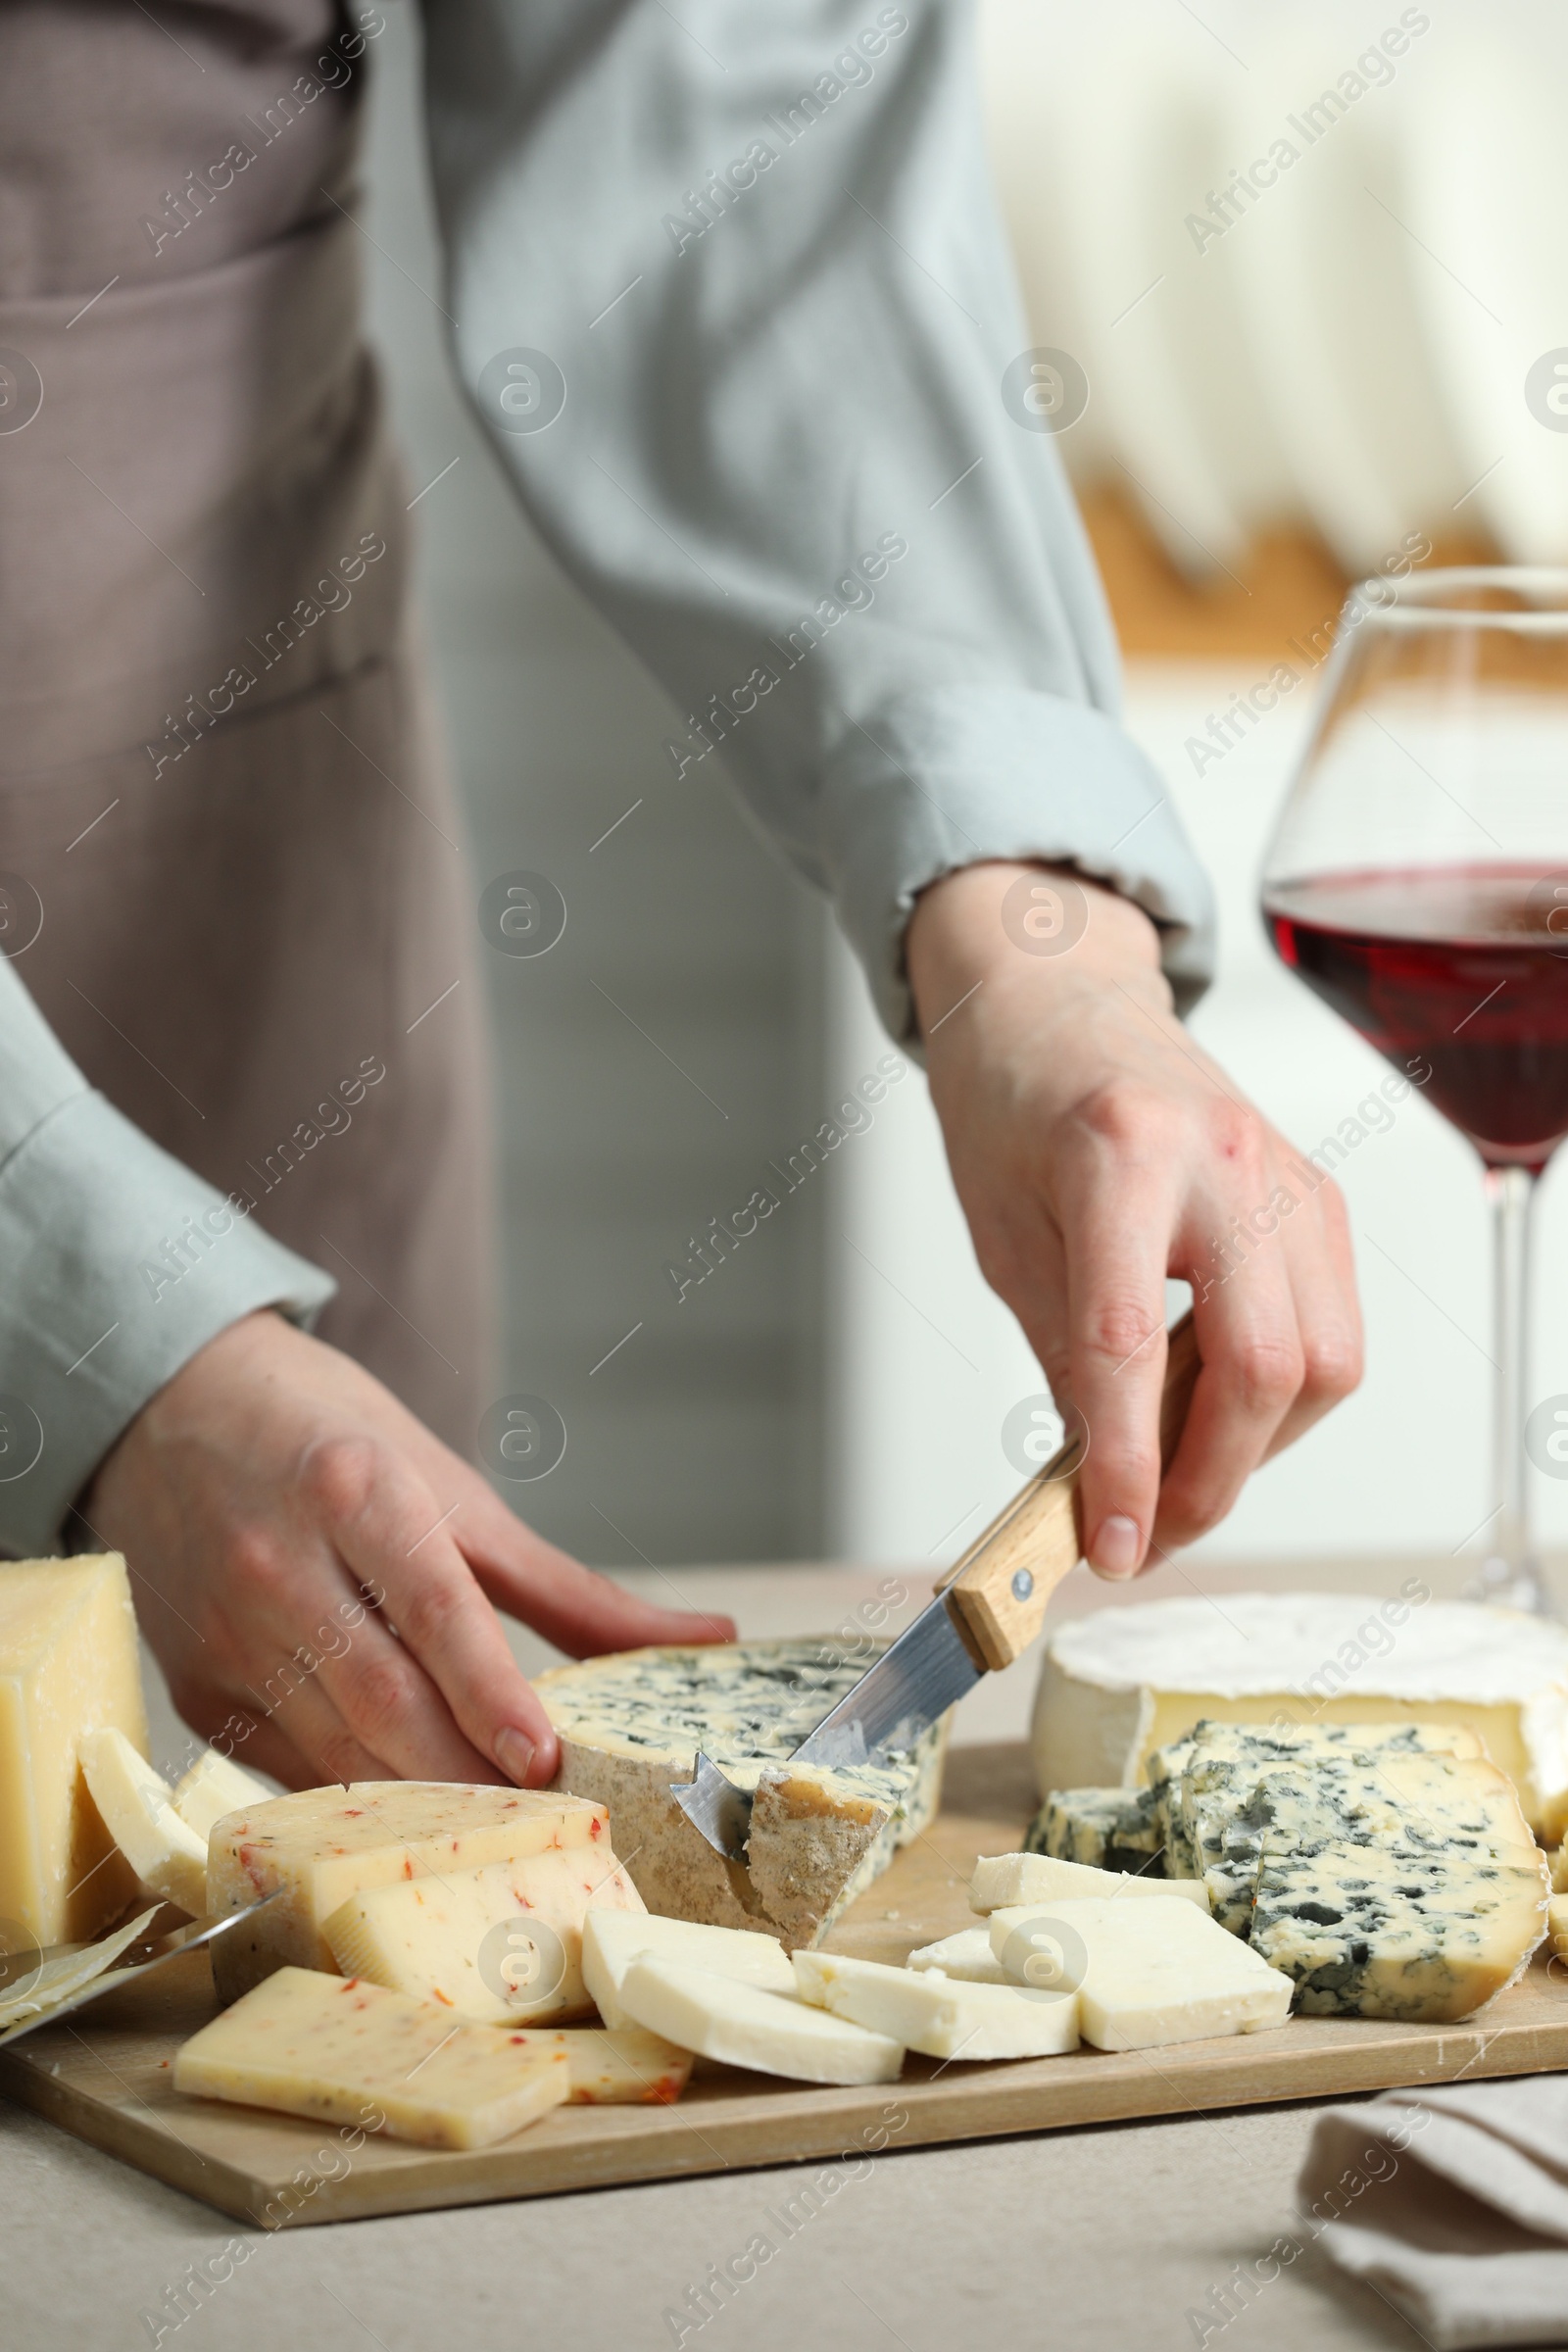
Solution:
(626, 2068)
(136, 1806)
(215, 1786)
(741, 2025)
(322, 1846)
(631, 1725)
(346, 2051)
(1557, 1924)
(1395, 1932)
(966, 1955)
(1002, 1881)
(1119, 1684)
(69, 1666)
(503, 1943)
(942, 2017)
(45, 1983)
(613, 1940)
(1109, 1829)
(1234, 1787)
(1144, 1973)
(1559, 1870)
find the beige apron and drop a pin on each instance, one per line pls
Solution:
(218, 768)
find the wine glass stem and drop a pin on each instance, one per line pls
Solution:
(1511, 1567)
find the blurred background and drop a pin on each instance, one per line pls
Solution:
(1301, 372)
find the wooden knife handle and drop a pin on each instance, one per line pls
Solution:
(1006, 1578)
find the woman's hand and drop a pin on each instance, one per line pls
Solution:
(316, 1573)
(1097, 1149)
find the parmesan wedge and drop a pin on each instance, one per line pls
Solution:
(212, 1786)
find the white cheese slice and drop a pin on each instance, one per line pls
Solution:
(136, 1806)
(215, 1786)
(631, 1725)
(611, 1940)
(1118, 1683)
(334, 2048)
(499, 1944)
(966, 1955)
(1003, 1879)
(1144, 1973)
(942, 2017)
(741, 2025)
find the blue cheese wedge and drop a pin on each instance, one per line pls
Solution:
(1106, 1828)
(1380, 1931)
(631, 1726)
(1207, 1788)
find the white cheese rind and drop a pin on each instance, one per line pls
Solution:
(1002, 1881)
(1121, 1682)
(630, 1726)
(1145, 1974)
(740, 2024)
(942, 2017)
(613, 1940)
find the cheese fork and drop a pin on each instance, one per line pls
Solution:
(986, 1612)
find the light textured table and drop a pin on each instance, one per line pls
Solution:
(1108, 2238)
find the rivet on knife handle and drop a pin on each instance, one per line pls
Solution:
(1005, 1581)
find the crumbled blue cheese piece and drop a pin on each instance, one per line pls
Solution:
(1106, 1828)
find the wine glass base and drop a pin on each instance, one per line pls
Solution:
(1512, 1585)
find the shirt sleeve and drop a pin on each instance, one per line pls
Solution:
(120, 1264)
(730, 292)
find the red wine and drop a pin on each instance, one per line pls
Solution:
(1464, 968)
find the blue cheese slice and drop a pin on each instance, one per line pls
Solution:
(631, 1725)
(1106, 1828)
(1385, 1931)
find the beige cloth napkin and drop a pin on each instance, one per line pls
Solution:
(1452, 2203)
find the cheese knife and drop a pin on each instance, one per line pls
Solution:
(138, 1959)
(986, 1612)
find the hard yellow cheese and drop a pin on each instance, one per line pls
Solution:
(136, 1806)
(322, 1846)
(355, 2053)
(215, 1786)
(500, 1942)
(629, 2068)
(68, 1667)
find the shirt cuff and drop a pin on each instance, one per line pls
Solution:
(942, 780)
(120, 1264)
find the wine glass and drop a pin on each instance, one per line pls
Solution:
(1417, 881)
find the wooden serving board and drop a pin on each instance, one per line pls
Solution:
(105, 2075)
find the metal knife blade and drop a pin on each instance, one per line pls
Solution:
(138, 1960)
(916, 1679)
